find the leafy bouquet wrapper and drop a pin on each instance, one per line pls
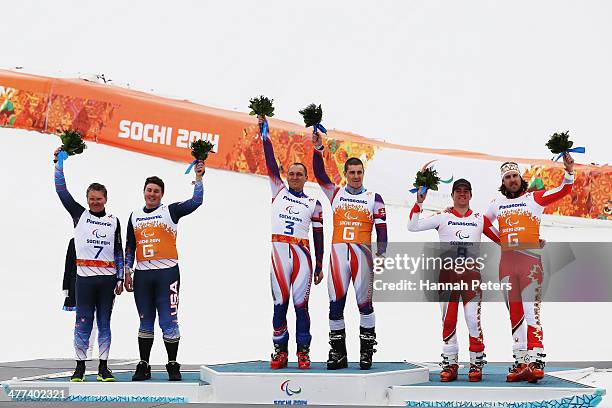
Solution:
(199, 150)
(313, 115)
(427, 179)
(560, 144)
(262, 106)
(72, 143)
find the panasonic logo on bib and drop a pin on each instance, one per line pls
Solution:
(468, 224)
(157, 217)
(106, 224)
(503, 207)
(294, 201)
(351, 200)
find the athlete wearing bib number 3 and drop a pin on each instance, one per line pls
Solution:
(355, 213)
(99, 270)
(151, 242)
(291, 266)
(518, 214)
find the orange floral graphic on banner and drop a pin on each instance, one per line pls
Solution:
(591, 196)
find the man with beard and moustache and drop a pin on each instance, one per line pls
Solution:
(519, 214)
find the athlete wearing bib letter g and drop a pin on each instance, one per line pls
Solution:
(518, 214)
(151, 240)
(355, 213)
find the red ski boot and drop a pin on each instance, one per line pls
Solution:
(279, 358)
(477, 361)
(450, 368)
(303, 357)
(520, 372)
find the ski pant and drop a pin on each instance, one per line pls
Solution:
(523, 271)
(351, 262)
(94, 294)
(291, 270)
(449, 304)
(156, 292)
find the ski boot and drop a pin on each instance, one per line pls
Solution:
(477, 361)
(450, 367)
(367, 338)
(520, 371)
(536, 357)
(79, 372)
(280, 357)
(104, 373)
(303, 357)
(174, 371)
(143, 371)
(337, 354)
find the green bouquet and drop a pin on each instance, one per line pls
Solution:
(261, 106)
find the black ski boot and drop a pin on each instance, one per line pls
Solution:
(79, 372)
(367, 339)
(174, 371)
(104, 373)
(337, 354)
(143, 371)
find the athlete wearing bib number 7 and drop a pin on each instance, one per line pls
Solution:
(291, 271)
(356, 212)
(518, 214)
(99, 270)
(151, 242)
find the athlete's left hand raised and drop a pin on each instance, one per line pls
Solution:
(119, 288)
(200, 169)
(568, 163)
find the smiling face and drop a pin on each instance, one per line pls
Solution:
(461, 197)
(354, 175)
(96, 201)
(296, 177)
(152, 195)
(512, 181)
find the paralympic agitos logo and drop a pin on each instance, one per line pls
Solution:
(98, 234)
(289, 391)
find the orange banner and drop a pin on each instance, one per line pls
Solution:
(166, 127)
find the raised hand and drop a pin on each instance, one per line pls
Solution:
(421, 197)
(56, 152)
(200, 169)
(317, 139)
(568, 163)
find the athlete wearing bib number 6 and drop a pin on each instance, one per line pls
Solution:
(518, 214)
(355, 213)
(99, 274)
(151, 242)
(291, 271)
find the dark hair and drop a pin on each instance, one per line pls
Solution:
(301, 164)
(154, 180)
(521, 190)
(97, 187)
(353, 161)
